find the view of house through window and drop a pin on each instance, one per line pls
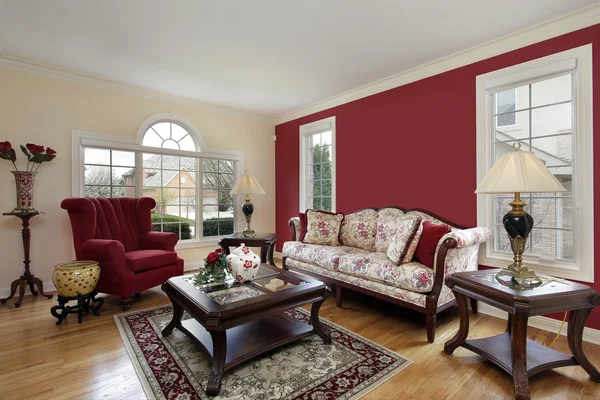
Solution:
(173, 181)
(542, 122)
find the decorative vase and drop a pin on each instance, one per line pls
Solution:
(76, 277)
(243, 263)
(24, 181)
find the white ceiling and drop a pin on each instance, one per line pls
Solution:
(264, 57)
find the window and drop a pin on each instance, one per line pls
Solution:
(317, 165)
(553, 120)
(167, 163)
(506, 104)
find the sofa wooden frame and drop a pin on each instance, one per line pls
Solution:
(431, 309)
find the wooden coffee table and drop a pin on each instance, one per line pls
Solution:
(513, 351)
(233, 323)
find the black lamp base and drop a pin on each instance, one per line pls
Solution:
(248, 209)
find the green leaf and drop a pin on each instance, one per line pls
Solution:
(38, 158)
(24, 149)
(12, 155)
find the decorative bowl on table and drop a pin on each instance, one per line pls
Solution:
(243, 263)
(76, 277)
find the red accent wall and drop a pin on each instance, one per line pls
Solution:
(414, 145)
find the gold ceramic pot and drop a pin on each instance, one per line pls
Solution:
(76, 277)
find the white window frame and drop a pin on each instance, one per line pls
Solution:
(323, 125)
(578, 61)
(81, 140)
(516, 114)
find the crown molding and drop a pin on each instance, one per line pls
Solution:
(576, 20)
(87, 80)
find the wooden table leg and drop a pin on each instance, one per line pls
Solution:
(519, 356)
(577, 320)
(316, 322)
(176, 320)
(13, 289)
(463, 330)
(22, 287)
(217, 369)
(270, 254)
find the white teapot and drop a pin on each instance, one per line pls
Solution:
(243, 263)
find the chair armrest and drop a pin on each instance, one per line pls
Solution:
(102, 249)
(294, 224)
(158, 240)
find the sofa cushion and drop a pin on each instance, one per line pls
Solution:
(323, 256)
(412, 248)
(432, 233)
(142, 260)
(302, 218)
(387, 222)
(323, 227)
(359, 229)
(377, 267)
(402, 239)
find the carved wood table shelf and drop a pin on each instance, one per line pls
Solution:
(27, 279)
(513, 351)
(235, 322)
(266, 242)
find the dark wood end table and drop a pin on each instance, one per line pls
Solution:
(233, 323)
(513, 351)
(266, 242)
(27, 279)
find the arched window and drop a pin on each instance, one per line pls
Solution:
(166, 162)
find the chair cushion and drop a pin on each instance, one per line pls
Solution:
(323, 256)
(359, 228)
(377, 267)
(142, 260)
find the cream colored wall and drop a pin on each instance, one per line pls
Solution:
(44, 111)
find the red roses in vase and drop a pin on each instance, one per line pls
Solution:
(215, 268)
(36, 155)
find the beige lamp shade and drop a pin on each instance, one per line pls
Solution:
(519, 172)
(247, 184)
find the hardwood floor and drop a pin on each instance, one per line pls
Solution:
(43, 361)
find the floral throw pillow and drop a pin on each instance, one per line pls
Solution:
(323, 228)
(359, 229)
(414, 243)
(401, 240)
(387, 223)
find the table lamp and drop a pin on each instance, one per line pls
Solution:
(247, 185)
(519, 172)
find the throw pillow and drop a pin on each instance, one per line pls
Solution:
(302, 217)
(358, 229)
(401, 240)
(412, 248)
(430, 237)
(387, 223)
(323, 228)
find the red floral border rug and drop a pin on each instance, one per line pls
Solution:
(174, 368)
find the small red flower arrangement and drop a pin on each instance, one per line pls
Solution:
(36, 155)
(215, 268)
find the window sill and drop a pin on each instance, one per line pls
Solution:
(559, 270)
(195, 244)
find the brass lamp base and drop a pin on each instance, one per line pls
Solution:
(521, 279)
(248, 233)
(248, 209)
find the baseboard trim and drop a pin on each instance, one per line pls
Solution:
(48, 287)
(548, 324)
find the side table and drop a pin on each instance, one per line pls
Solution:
(27, 279)
(513, 351)
(266, 242)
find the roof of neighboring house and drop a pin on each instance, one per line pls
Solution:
(170, 166)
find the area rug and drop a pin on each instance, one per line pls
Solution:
(175, 368)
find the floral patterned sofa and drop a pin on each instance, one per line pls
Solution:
(369, 270)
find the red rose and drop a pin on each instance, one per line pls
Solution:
(219, 250)
(5, 146)
(34, 148)
(50, 151)
(212, 257)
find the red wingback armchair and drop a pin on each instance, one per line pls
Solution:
(117, 233)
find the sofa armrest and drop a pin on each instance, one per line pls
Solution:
(294, 224)
(469, 237)
(101, 249)
(158, 240)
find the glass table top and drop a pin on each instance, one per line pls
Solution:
(230, 292)
(547, 282)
